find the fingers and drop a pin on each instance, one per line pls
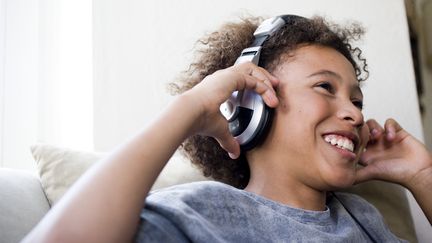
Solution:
(263, 74)
(383, 152)
(260, 80)
(259, 86)
(380, 139)
(364, 174)
(369, 157)
(376, 165)
(375, 130)
(389, 132)
(229, 144)
(391, 128)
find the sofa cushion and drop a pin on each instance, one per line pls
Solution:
(60, 167)
(22, 204)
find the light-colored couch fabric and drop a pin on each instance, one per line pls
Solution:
(25, 198)
(60, 167)
(22, 204)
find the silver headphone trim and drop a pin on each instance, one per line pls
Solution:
(258, 107)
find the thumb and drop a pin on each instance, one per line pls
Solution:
(364, 174)
(229, 144)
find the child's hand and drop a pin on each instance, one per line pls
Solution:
(216, 88)
(394, 155)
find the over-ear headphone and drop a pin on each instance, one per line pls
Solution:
(248, 116)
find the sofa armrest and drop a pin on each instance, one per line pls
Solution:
(23, 203)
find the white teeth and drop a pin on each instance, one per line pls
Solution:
(345, 144)
(349, 145)
(340, 142)
(333, 141)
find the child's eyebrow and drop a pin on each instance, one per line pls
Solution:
(325, 73)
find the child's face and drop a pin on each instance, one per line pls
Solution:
(320, 104)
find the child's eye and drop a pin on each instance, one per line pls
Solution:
(358, 104)
(327, 86)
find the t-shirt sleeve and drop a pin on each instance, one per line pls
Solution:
(154, 227)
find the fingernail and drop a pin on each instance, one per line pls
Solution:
(272, 97)
(232, 156)
(275, 79)
(390, 134)
(374, 132)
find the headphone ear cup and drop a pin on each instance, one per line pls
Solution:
(249, 121)
(261, 130)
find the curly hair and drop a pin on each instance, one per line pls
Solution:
(220, 49)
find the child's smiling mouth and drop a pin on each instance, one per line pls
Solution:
(346, 143)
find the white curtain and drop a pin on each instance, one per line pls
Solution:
(45, 77)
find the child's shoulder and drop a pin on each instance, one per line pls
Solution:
(201, 190)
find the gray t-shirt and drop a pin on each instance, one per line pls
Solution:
(215, 212)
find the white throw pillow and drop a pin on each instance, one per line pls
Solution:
(60, 167)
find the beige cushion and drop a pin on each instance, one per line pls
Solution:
(59, 168)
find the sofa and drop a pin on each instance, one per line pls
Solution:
(25, 197)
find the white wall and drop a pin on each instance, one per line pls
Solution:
(19, 97)
(2, 64)
(65, 78)
(139, 46)
(46, 86)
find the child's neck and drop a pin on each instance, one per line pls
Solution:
(287, 191)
